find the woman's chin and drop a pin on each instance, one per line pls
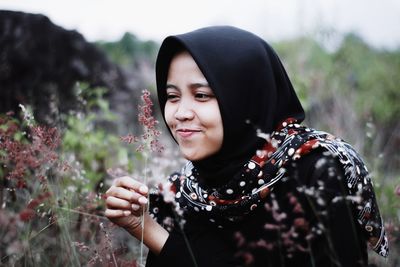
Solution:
(192, 155)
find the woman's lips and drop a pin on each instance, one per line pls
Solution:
(186, 132)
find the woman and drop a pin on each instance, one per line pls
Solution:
(258, 189)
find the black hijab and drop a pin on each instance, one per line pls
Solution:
(249, 82)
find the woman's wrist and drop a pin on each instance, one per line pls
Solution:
(154, 235)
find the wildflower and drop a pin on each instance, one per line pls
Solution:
(149, 138)
(148, 142)
(129, 139)
(27, 214)
(21, 157)
(301, 223)
(397, 190)
(28, 116)
(81, 246)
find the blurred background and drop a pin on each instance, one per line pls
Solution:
(79, 67)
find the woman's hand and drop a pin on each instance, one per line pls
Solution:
(125, 202)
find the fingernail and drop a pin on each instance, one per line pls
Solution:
(143, 189)
(127, 213)
(135, 207)
(142, 200)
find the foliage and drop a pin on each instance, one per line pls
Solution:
(95, 149)
(56, 202)
(129, 49)
(354, 68)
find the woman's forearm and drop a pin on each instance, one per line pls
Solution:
(154, 235)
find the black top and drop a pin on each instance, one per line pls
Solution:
(336, 241)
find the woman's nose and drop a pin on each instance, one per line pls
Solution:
(184, 111)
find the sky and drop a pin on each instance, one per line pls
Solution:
(376, 21)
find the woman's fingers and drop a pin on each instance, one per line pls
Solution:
(135, 207)
(117, 203)
(125, 194)
(126, 201)
(111, 213)
(125, 197)
(136, 210)
(130, 183)
(116, 212)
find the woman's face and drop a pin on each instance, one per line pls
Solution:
(191, 111)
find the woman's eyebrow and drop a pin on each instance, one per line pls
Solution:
(192, 85)
(198, 85)
(168, 85)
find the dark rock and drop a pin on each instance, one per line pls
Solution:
(40, 64)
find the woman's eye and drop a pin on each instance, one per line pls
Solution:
(202, 96)
(172, 97)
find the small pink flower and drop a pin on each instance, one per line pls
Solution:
(149, 138)
(24, 158)
(301, 223)
(397, 190)
(298, 209)
(130, 138)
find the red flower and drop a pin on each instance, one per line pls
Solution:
(27, 214)
(301, 223)
(31, 154)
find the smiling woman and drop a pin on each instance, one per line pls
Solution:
(191, 111)
(259, 188)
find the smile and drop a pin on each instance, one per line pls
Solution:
(186, 132)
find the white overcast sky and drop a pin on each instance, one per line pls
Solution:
(376, 21)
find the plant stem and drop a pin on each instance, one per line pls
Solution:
(144, 210)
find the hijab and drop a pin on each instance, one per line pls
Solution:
(250, 83)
